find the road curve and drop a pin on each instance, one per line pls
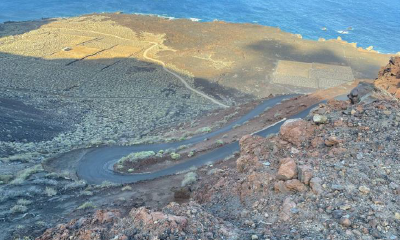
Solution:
(96, 166)
(179, 77)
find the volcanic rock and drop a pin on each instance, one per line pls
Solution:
(296, 131)
(287, 169)
(389, 77)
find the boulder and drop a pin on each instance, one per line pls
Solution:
(295, 185)
(296, 131)
(287, 169)
(320, 119)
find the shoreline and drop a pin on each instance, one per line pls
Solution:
(339, 39)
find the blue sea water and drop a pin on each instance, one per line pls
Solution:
(373, 22)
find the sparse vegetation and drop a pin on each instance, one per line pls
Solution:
(190, 178)
(23, 201)
(175, 156)
(86, 193)
(220, 142)
(204, 130)
(50, 191)
(19, 209)
(75, 185)
(86, 205)
(191, 154)
(181, 147)
(236, 126)
(134, 157)
(105, 184)
(6, 178)
(26, 173)
(126, 188)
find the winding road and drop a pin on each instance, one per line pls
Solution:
(96, 166)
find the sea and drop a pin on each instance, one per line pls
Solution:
(368, 22)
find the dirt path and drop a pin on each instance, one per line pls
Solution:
(154, 60)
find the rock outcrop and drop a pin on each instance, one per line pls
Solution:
(389, 77)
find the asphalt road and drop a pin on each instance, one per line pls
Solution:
(96, 166)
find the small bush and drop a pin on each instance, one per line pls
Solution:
(203, 130)
(190, 178)
(86, 193)
(191, 154)
(50, 191)
(175, 156)
(220, 142)
(182, 138)
(134, 157)
(182, 147)
(105, 184)
(86, 205)
(75, 185)
(126, 188)
(23, 201)
(26, 173)
(19, 209)
(6, 178)
(131, 170)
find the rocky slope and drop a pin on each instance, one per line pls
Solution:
(332, 175)
(389, 77)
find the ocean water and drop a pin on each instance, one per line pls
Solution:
(373, 22)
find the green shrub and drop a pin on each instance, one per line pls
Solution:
(203, 130)
(236, 126)
(182, 138)
(86, 205)
(175, 156)
(134, 157)
(191, 154)
(182, 147)
(220, 142)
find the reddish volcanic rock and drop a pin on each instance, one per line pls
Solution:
(105, 216)
(332, 141)
(296, 131)
(295, 185)
(157, 221)
(247, 162)
(287, 169)
(389, 77)
(254, 183)
(252, 149)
